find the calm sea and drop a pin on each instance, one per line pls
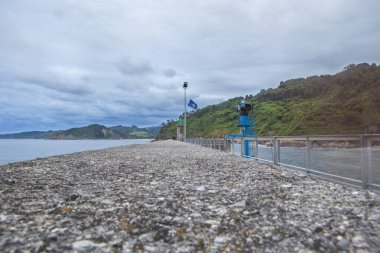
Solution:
(340, 162)
(15, 150)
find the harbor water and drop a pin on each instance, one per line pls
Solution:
(15, 150)
(335, 161)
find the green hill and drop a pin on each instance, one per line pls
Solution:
(345, 103)
(134, 132)
(94, 131)
(24, 135)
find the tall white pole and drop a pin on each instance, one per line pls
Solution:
(184, 126)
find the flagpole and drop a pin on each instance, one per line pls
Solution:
(184, 126)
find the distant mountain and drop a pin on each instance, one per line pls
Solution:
(88, 132)
(134, 132)
(345, 103)
(94, 131)
(24, 135)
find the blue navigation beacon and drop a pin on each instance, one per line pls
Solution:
(246, 124)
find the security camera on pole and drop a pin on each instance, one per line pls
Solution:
(184, 127)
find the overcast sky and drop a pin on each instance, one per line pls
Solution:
(69, 63)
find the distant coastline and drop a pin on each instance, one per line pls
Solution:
(90, 132)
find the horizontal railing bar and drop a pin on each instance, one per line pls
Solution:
(337, 138)
(314, 137)
(322, 173)
(291, 166)
(336, 176)
(356, 185)
(311, 138)
(260, 159)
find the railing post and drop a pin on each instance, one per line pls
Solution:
(241, 146)
(253, 148)
(366, 160)
(256, 151)
(228, 145)
(276, 149)
(307, 154)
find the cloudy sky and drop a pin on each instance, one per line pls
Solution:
(69, 63)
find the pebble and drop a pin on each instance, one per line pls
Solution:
(201, 188)
(343, 244)
(221, 240)
(169, 196)
(85, 245)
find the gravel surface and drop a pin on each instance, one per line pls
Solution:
(169, 196)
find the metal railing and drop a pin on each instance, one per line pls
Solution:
(218, 143)
(348, 159)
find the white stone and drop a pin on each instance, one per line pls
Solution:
(221, 240)
(86, 245)
(201, 188)
(222, 211)
(148, 237)
(3, 217)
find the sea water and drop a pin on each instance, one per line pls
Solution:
(15, 150)
(337, 161)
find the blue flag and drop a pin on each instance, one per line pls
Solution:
(192, 104)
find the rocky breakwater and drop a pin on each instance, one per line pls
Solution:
(169, 196)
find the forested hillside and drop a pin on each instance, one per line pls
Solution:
(345, 103)
(94, 131)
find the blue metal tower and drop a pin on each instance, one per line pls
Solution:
(246, 124)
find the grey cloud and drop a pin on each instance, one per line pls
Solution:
(170, 73)
(59, 86)
(129, 68)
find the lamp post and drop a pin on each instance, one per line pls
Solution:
(184, 126)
